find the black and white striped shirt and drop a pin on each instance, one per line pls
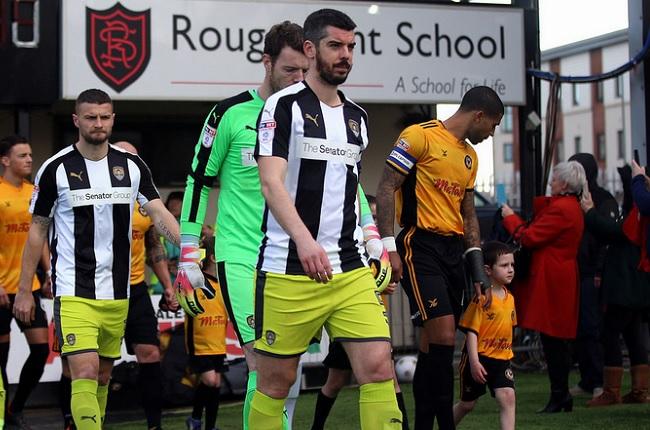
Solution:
(323, 146)
(91, 204)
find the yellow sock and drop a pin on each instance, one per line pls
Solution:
(265, 413)
(378, 407)
(85, 409)
(102, 399)
(3, 396)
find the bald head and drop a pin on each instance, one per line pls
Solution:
(126, 146)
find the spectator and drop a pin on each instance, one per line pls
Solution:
(548, 298)
(626, 296)
(588, 348)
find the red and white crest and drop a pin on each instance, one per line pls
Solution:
(118, 44)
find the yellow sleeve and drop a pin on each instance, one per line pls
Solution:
(408, 149)
(471, 319)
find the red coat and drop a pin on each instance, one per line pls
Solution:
(548, 299)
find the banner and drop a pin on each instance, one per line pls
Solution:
(211, 49)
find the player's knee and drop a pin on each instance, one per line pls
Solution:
(39, 352)
(467, 407)
(505, 397)
(276, 383)
(211, 379)
(147, 353)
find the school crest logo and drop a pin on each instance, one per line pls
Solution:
(468, 162)
(270, 337)
(118, 172)
(354, 127)
(71, 339)
(118, 44)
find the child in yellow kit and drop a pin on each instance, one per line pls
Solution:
(488, 344)
(205, 343)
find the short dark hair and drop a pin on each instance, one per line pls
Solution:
(280, 35)
(208, 244)
(93, 96)
(484, 99)
(316, 23)
(174, 195)
(493, 250)
(8, 142)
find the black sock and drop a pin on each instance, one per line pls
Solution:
(4, 356)
(65, 393)
(30, 375)
(321, 412)
(211, 406)
(425, 411)
(402, 408)
(441, 380)
(200, 398)
(150, 383)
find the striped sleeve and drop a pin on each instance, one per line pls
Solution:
(146, 189)
(408, 149)
(274, 127)
(209, 154)
(45, 192)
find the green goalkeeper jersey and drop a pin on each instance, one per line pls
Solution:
(225, 151)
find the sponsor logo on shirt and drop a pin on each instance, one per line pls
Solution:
(247, 157)
(453, 189)
(22, 227)
(99, 196)
(209, 133)
(320, 149)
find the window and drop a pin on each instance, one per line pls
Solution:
(578, 144)
(507, 152)
(620, 144)
(619, 86)
(575, 93)
(599, 91)
(506, 123)
(602, 148)
(559, 151)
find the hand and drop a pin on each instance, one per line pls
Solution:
(314, 260)
(506, 210)
(478, 372)
(4, 299)
(24, 307)
(478, 293)
(586, 202)
(46, 288)
(390, 289)
(189, 273)
(168, 301)
(396, 266)
(637, 170)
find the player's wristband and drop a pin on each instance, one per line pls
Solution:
(389, 244)
(474, 258)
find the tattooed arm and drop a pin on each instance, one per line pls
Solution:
(24, 303)
(470, 221)
(164, 221)
(391, 180)
(474, 256)
(157, 259)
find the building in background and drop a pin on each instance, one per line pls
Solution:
(593, 118)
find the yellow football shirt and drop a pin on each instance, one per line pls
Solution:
(206, 334)
(15, 220)
(140, 225)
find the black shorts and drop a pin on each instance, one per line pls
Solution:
(434, 276)
(205, 363)
(337, 358)
(141, 322)
(499, 375)
(6, 314)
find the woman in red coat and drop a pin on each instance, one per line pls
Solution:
(548, 299)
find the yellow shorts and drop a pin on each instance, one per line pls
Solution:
(87, 325)
(290, 311)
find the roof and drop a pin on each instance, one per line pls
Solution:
(586, 45)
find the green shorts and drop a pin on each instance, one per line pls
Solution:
(237, 281)
(290, 310)
(87, 325)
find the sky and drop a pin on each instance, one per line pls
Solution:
(561, 22)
